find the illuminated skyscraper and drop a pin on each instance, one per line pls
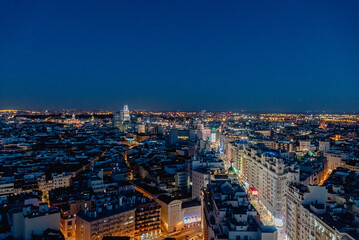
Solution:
(125, 114)
(121, 118)
(116, 120)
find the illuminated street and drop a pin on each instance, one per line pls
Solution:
(193, 233)
(179, 120)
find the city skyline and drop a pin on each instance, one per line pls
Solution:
(179, 120)
(255, 56)
(82, 175)
(89, 111)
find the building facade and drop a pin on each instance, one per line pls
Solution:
(92, 225)
(307, 216)
(267, 174)
(148, 221)
(32, 220)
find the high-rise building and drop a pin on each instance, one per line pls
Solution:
(120, 118)
(125, 114)
(268, 173)
(299, 225)
(309, 215)
(116, 120)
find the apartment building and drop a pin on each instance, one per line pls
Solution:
(93, 225)
(268, 173)
(228, 214)
(309, 215)
(148, 221)
(34, 220)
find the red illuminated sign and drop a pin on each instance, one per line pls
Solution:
(253, 192)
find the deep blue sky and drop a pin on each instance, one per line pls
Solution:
(290, 55)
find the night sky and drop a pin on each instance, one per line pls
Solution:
(287, 56)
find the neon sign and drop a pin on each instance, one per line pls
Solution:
(192, 219)
(253, 192)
